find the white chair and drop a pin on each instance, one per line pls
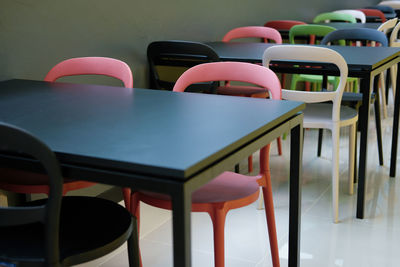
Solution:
(359, 15)
(385, 28)
(393, 4)
(319, 114)
(394, 42)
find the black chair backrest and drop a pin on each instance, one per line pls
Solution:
(362, 34)
(17, 142)
(181, 54)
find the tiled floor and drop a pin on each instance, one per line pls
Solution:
(352, 242)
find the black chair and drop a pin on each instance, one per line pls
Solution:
(169, 59)
(58, 231)
(364, 36)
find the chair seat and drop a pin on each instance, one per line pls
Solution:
(226, 187)
(319, 115)
(240, 90)
(82, 231)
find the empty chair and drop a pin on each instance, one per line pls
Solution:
(320, 112)
(169, 59)
(374, 13)
(365, 37)
(334, 17)
(393, 4)
(283, 25)
(359, 15)
(386, 10)
(228, 190)
(58, 231)
(70, 67)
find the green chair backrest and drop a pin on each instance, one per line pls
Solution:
(307, 30)
(334, 16)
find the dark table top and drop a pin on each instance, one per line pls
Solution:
(357, 58)
(138, 130)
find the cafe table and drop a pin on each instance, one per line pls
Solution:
(153, 140)
(363, 62)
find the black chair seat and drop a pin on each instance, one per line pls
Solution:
(89, 228)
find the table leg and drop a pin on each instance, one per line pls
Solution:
(181, 208)
(296, 148)
(395, 134)
(363, 117)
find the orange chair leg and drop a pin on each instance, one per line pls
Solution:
(279, 146)
(127, 197)
(218, 220)
(270, 214)
(250, 163)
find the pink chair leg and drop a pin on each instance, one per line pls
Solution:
(269, 212)
(279, 146)
(218, 220)
(250, 163)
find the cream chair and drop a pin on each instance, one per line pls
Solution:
(319, 114)
(359, 15)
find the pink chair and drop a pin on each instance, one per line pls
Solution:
(229, 190)
(265, 33)
(16, 179)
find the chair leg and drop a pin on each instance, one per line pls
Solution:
(135, 210)
(279, 141)
(393, 76)
(127, 197)
(378, 124)
(383, 95)
(270, 214)
(133, 246)
(320, 137)
(352, 148)
(218, 220)
(250, 163)
(335, 173)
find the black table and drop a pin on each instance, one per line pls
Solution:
(153, 140)
(363, 62)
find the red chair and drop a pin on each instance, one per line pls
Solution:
(229, 190)
(16, 180)
(374, 13)
(265, 33)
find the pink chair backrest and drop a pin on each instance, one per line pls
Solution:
(253, 32)
(282, 24)
(232, 71)
(92, 66)
(374, 13)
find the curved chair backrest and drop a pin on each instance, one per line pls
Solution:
(394, 4)
(357, 34)
(374, 13)
(283, 24)
(92, 66)
(231, 71)
(385, 9)
(253, 32)
(13, 139)
(176, 53)
(311, 54)
(319, 31)
(359, 15)
(387, 26)
(334, 17)
(393, 40)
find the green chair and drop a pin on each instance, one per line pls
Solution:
(314, 33)
(334, 17)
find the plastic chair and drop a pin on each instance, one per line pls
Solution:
(359, 15)
(394, 42)
(70, 67)
(374, 13)
(265, 33)
(386, 10)
(393, 4)
(228, 190)
(362, 36)
(315, 33)
(58, 231)
(334, 17)
(318, 114)
(169, 59)
(283, 24)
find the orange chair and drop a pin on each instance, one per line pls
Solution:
(16, 180)
(374, 13)
(229, 190)
(264, 33)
